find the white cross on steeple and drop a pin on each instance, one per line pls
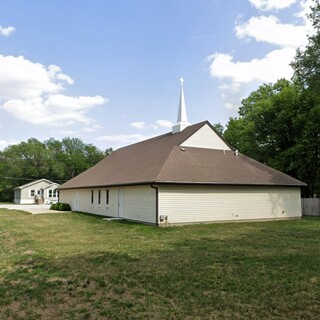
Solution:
(181, 81)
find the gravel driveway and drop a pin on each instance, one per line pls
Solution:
(32, 208)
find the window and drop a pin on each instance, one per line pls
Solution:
(32, 193)
(92, 196)
(55, 193)
(107, 198)
(50, 193)
(99, 197)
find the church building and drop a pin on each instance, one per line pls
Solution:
(188, 175)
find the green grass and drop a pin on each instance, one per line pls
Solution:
(76, 266)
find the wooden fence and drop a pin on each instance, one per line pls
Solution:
(310, 206)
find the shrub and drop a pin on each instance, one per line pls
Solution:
(54, 206)
(64, 207)
(60, 206)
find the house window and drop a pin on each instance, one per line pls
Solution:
(107, 198)
(55, 193)
(50, 193)
(99, 197)
(38, 192)
(92, 196)
(32, 193)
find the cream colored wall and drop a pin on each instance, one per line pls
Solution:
(184, 204)
(205, 137)
(139, 202)
(80, 200)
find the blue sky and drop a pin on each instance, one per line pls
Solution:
(107, 71)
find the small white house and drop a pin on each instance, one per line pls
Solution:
(39, 191)
(188, 175)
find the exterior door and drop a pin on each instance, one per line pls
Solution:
(120, 202)
(76, 201)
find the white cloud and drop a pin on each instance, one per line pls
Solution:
(6, 143)
(155, 126)
(7, 31)
(21, 78)
(238, 76)
(54, 111)
(164, 123)
(273, 66)
(272, 4)
(121, 140)
(231, 106)
(138, 125)
(31, 92)
(271, 30)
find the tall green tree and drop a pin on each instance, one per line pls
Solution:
(306, 64)
(55, 160)
(278, 125)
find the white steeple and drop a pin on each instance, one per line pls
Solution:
(182, 121)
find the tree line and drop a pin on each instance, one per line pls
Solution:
(279, 124)
(55, 160)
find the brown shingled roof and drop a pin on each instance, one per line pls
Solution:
(162, 160)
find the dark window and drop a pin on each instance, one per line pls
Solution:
(107, 198)
(92, 196)
(99, 197)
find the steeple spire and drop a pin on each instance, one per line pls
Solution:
(182, 121)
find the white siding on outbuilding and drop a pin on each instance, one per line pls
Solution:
(27, 193)
(187, 204)
(206, 138)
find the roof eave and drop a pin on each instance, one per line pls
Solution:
(161, 182)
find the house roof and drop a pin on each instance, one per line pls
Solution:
(29, 184)
(162, 160)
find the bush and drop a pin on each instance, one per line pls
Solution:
(60, 206)
(64, 207)
(54, 206)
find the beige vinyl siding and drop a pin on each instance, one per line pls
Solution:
(185, 204)
(205, 137)
(139, 202)
(80, 200)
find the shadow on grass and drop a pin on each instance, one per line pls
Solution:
(248, 277)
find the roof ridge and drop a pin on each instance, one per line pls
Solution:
(33, 182)
(164, 165)
(168, 134)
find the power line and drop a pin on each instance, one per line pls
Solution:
(29, 179)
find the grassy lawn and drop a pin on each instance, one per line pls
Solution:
(76, 266)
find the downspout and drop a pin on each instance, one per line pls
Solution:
(157, 203)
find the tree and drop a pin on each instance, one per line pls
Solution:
(278, 125)
(306, 64)
(55, 160)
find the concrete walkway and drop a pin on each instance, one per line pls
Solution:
(32, 208)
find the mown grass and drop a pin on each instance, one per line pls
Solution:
(76, 266)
